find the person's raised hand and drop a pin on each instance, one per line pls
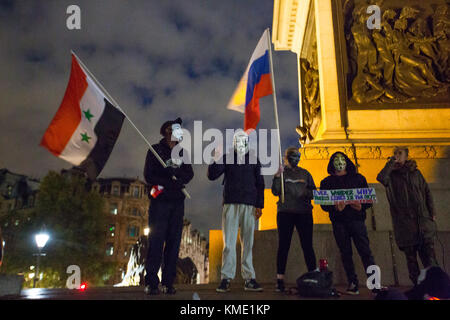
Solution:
(218, 152)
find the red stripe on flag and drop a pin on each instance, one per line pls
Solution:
(68, 116)
(252, 113)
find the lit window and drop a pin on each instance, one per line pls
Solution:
(133, 231)
(109, 249)
(136, 192)
(114, 208)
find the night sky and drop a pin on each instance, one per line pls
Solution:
(158, 59)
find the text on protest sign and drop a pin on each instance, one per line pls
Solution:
(331, 197)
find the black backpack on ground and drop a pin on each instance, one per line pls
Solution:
(316, 284)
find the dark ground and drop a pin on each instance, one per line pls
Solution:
(184, 292)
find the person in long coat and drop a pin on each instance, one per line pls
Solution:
(412, 210)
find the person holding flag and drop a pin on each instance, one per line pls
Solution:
(166, 210)
(296, 212)
(84, 132)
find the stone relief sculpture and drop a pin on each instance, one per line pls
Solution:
(405, 60)
(311, 96)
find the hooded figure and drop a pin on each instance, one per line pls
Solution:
(350, 180)
(412, 210)
(348, 219)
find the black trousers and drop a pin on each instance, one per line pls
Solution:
(166, 227)
(344, 233)
(304, 225)
(426, 253)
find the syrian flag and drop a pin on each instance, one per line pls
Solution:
(86, 125)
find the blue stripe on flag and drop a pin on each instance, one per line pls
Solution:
(259, 67)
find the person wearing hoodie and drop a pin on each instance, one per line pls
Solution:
(348, 219)
(243, 200)
(412, 210)
(295, 211)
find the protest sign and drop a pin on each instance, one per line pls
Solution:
(331, 197)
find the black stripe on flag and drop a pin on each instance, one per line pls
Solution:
(107, 130)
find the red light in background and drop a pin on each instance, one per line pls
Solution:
(434, 298)
(83, 287)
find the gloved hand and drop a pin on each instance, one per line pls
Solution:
(170, 171)
(177, 184)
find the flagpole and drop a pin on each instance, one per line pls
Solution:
(128, 118)
(275, 106)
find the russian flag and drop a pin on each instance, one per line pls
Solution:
(86, 125)
(255, 83)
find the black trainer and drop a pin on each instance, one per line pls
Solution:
(252, 285)
(280, 286)
(151, 291)
(169, 290)
(352, 289)
(224, 286)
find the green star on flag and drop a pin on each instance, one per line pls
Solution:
(85, 137)
(88, 114)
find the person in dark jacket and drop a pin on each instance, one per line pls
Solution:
(243, 200)
(348, 219)
(166, 210)
(412, 210)
(296, 211)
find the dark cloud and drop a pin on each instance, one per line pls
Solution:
(158, 59)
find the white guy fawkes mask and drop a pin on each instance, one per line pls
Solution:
(177, 132)
(339, 162)
(240, 143)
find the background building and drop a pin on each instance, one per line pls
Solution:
(126, 203)
(17, 193)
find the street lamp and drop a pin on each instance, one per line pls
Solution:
(41, 240)
(146, 231)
